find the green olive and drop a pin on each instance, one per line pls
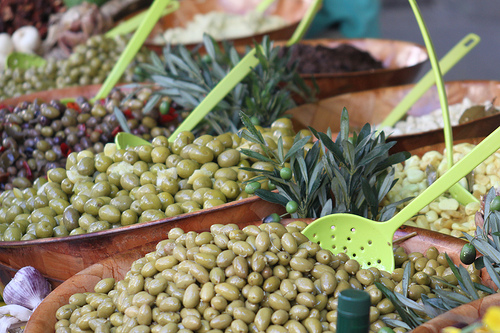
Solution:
(228, 158)
(174, 210)
(85, 166)
(128, 217)
(185, 168)
(110, 214)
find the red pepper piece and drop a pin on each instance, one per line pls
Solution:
(74, 106)
(116, 130)
(128, 114)
(26, 166)
(65, 149)
(2, 149)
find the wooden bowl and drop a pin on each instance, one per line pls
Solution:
(461, 316)
(372, 106)
(43, 319)
(291, 11)
(402, 61)
(59, 258)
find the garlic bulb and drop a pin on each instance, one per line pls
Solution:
(28, 288)
(26, 39)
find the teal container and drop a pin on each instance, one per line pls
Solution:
(353, 311)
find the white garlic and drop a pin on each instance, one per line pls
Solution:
(28, 288)
(26, 39)
(22, 295)
(431, 121)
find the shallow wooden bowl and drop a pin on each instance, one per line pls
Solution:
(291, 11)
(372, 106)
(60, 258)
(402, 61)
(43, 319)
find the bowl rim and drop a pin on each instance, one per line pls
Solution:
(129, 228)
(289, 24)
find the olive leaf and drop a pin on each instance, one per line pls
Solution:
(350, 175)
(265, 93)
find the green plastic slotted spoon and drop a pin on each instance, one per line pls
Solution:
(227, 84)
(458, 192)
(370, 242)
(451, 58)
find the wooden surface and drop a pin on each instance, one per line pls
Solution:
(372, 106)
(402, 61)
(60, 258)
(43, 319)
(291, 11)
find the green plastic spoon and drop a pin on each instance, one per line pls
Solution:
(152, 16)
(461, 194)
(446, 63)
(370, 242)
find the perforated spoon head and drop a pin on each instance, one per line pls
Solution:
(369, 242)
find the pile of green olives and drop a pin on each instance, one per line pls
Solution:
(90, 63)
(267, 278)
(37, 137)
(118, 187)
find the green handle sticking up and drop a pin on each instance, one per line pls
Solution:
(153, 15)
(447, 62)
(457, 191)
(131, 24)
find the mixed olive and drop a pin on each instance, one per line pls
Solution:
(267, 278)
(101, 190)
(90, 63)
(38, 136)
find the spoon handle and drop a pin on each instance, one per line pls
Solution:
(132, 23)
(218, 93)
(446, 63)
(263, 5)
(475, 157)
(153, 15)
(457, 190)
(305, 22)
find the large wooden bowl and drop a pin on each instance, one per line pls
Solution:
(60, 258)
(291, 11)
(372, 106)
(402, 61)
(43, 319)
